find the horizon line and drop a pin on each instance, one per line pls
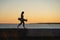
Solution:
(34, 23)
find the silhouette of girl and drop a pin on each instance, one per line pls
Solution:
(22, 20)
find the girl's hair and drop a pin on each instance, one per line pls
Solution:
(22, 12)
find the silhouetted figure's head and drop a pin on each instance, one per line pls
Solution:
(22, 12)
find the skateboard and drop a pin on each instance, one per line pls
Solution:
(22, 19)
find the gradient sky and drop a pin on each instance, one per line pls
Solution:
(35, 10)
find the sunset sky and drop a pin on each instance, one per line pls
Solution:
(36, 11)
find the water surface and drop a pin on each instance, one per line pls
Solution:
(32, 26)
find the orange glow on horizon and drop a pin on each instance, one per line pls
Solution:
(31, 20)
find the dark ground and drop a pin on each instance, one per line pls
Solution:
(29, 34)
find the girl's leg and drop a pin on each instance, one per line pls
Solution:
(19, 25)
(24, 25)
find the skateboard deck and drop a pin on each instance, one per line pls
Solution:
(22, 19)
